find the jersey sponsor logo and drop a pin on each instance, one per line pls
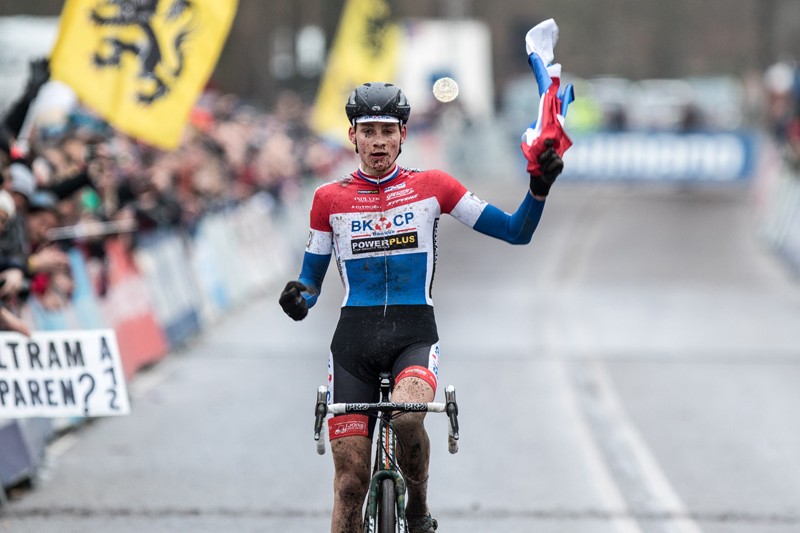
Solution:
(364, 199)
(433, 360)
(420, 372)
(380, 223)
(385, 244)
(395, 187)
(330, 379)
(343, 426)
(367, 191)
(414, 371)
(398, 194)
(400, 200)
(348, 428)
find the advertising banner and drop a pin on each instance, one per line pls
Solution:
(662, 156)
(128, 309)
(163, 260)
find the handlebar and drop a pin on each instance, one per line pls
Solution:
(450, 407)
(385, 407)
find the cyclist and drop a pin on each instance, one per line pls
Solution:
(381, 222)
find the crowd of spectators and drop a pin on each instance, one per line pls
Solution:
(81, 173)
(782, 84)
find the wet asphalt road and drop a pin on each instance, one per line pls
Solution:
(634, 370)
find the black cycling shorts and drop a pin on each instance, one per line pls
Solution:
(401, 339)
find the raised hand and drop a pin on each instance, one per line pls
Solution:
(550, 166)
(545, 139)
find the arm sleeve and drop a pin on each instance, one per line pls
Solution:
(312, 274)
(318, 249)
(515, 228)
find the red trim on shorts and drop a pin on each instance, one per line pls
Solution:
(348, 425)
(420, 372)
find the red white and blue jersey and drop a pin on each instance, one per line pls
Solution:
(383, 232)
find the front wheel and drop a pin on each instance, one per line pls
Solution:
(387, 508)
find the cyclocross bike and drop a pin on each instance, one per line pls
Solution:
(385, 511)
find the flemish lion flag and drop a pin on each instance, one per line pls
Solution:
(365, 49)
(141, 64)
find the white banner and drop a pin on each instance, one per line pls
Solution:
(61, 374)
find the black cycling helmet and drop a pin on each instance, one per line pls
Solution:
(377, 99)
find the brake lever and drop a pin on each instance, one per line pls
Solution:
(321, 411)
(451, 407)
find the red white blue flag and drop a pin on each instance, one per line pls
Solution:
(553, 99)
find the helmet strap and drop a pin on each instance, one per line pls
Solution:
(353, 125)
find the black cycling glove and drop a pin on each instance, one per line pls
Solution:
(292, 301)
(551, 165)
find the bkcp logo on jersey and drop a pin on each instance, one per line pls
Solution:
(382, 233)
(381, 223)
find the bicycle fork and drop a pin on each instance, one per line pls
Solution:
(375, 495)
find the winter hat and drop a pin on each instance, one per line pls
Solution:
(43, 201)
(22, 180)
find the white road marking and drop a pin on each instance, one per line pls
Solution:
(599, 473)
(624, 445)
(612, 446)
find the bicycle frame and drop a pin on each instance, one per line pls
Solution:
(385, 466)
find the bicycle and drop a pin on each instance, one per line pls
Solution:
(385, 510)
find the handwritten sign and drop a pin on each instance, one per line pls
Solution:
(61, 374)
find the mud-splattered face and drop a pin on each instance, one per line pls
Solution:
(378, 144)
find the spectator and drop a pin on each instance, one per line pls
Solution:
(7, 209)
(51, 281)
(10, 322)
(779, 80)
(12, 276)
(22, 184)
(13, 242)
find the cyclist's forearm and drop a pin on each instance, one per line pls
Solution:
(516, 228)
(312, 274)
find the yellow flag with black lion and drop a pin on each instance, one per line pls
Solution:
(141, 64)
